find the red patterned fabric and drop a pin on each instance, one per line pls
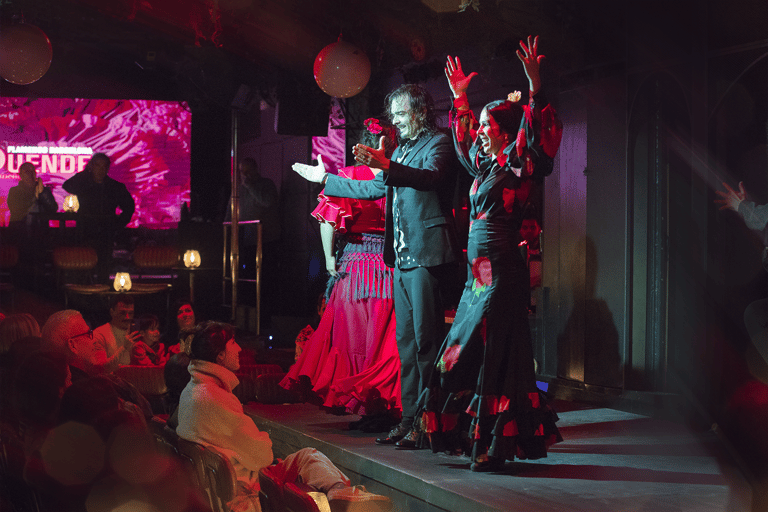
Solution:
(551, 131)
(429, 422)
(450, 356)
(481, 270)
(510, 429)
(351, 360)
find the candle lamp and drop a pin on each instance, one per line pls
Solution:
(192, 261)
(71, 204)
(122, 282)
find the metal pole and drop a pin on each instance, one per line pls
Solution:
(234, 258)
(258, 278)
(224, 253)
(192, 285)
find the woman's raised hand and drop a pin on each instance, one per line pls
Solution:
(457, 80)
(531, 62)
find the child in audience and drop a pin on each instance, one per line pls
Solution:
(148, 350)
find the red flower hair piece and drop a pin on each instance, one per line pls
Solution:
(373, 126)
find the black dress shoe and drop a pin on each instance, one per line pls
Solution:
(491, 464)
(357, 425)
(394, 435)
(410, 441)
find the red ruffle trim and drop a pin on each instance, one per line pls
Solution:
(337, 211)
(446, 423)
(493, 405)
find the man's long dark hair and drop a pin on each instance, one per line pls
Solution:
(421, 104)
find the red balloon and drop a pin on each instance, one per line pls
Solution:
(25, 53)
(342, 69)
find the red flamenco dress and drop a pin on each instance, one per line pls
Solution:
(483, 395)
(351, 360)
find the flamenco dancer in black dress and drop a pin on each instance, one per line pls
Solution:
(483, 391)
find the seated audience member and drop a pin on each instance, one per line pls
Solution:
(177, 376)
(9, 364)
(114, 337)
(148, 350)
(17, 326)
(185, 328)
(19, 336)
(88, 399)
(40, 382)
(66, 331)
(101, 456)
(210, 414)
(38, 386)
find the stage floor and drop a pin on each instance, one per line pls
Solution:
(609, 461)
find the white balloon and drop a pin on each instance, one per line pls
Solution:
(25, 53)
(342, 69)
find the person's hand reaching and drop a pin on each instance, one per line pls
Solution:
(730, 198)
(313, 173)
(375, 158)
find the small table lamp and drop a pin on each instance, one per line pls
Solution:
(122, 282)
(71, 204)
(191, 261)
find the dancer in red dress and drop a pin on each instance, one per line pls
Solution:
(351, 360)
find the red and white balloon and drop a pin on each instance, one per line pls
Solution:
(25, 53)
(342, 69)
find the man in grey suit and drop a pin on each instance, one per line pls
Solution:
(420, 243)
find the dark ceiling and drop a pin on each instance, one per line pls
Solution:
(205, 49)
